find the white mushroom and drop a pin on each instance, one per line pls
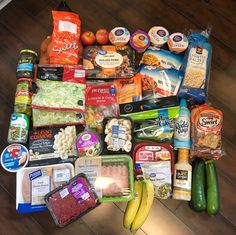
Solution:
(112, 122)
(108, 137)
(127, 147)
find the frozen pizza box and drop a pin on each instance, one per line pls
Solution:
(33, 183)
(52, 145)
(109, 62)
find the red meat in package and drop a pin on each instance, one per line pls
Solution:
(65, 38)
(206, 125)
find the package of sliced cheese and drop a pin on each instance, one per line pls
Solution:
(33, 183)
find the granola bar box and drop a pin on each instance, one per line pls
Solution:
(109, 62)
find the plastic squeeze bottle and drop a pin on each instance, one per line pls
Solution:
(182, 177)
(182, 127)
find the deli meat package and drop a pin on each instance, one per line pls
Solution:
(33, 183)
(71, 201)
(206, 125)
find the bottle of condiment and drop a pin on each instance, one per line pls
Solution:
(182, 177)
(25, 66)
(23, 96)
(182, 127)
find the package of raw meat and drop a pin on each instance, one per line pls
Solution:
(71, 201)
(206, 125)
(33, 183)
(111, 176)
(65, 38)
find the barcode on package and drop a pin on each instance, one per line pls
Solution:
(79, 73)
(85, 196)
(64, 193)
(61, 175)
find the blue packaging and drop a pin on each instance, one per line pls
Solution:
(196, 69)
(182, 127)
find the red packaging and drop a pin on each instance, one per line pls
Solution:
(65, 38)
(152, 152)
(71, 201)
(101, 102)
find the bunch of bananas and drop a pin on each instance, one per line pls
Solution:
(137, 210)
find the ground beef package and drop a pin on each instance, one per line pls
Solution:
(71, 201)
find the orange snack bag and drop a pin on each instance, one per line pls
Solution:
(129, 90)
(65, 38)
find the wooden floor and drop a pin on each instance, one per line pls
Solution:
(25, 23)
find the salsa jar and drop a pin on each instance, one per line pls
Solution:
(19, 128)
(25, 67)
(23, 97)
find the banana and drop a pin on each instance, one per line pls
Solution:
(145, 206)
(133, 205)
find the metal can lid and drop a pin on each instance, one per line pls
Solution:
(30, 51)
(14, 157)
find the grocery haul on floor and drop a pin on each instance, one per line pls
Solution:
(91, 127)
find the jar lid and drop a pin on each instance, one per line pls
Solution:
(14, 157)
(119, 36)
(28, 50)
(158, 35)
(139, 40)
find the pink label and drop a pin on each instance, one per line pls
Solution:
(86, 141)
(79, 191)
(100, 94)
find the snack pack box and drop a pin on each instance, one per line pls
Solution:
(71, 201)
(33, 183)
(106, 62)
(111, 176)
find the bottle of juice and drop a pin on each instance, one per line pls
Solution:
(182, 127)
(182, 177)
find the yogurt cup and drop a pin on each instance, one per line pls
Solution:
(14, 157)
(177, 42)
(158, 35)
(119, 36)
(139, 41)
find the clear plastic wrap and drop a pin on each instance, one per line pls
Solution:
(206, 125)
(54, 118)
(58, 95)
(111, 176)
(71, 201)
(101, 102)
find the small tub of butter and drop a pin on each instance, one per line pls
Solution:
(158, 35)
(177, 42)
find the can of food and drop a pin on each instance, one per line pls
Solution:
(158, 35)
(119, 36)
(14, 157)
(139, 41)
(19, 128)
(23, 97)
(25, 66)
(177, 42)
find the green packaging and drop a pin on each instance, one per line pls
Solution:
(110, 175)
(19, 128)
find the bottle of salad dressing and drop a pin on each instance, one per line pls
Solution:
(182, 176)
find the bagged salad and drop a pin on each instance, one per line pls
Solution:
(101, 102)
(43, 117)
(196, 68)
(60, 95)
